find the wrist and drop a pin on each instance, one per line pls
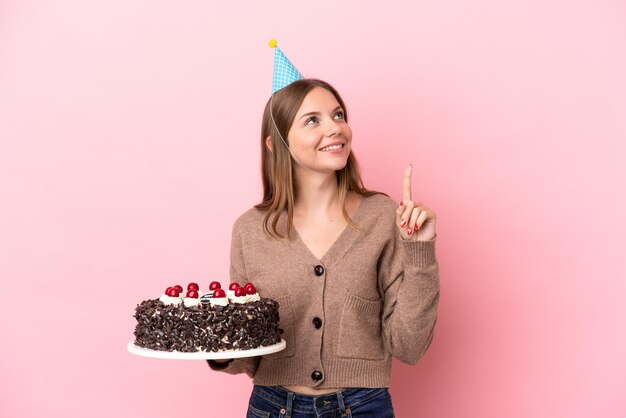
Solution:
(413, 238)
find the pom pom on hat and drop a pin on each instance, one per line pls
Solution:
(272, 43)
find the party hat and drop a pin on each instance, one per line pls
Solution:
(285, 72)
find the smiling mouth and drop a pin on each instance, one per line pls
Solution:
(332, 148)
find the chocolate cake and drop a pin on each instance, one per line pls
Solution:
(207, 322)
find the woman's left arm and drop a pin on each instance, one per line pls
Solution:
(409, 280)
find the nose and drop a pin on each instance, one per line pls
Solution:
(333, 128)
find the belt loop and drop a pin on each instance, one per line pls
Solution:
(342, 406)
(290, 396)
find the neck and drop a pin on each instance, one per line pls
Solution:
(317, 193)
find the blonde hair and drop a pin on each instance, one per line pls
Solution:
(276, 166)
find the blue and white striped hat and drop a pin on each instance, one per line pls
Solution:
(285, 72)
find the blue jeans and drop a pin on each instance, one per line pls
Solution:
(278, 402)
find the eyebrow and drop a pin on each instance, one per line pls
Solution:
(317, 113)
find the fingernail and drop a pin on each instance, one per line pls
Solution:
(409, 231)
(417, 227)
(403, 222)
(401, 203)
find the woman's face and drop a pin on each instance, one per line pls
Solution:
(319, 123)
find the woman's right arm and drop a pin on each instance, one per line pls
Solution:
(238, 274)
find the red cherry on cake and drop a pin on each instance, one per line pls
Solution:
(233, 286)
(240, 291)
(173, 292)
(179, 288)
(215, 285)
(193, 286)
(167, 291)
(219, 293)
(192, 293)
(250, 289)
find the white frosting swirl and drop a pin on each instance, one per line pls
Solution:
(218, 301)
(238, 299)
(189, 302)
(254, 297)
(170, 300)
(245, 299)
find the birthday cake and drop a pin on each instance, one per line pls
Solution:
(236, 319)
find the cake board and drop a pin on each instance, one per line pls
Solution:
(205, 355)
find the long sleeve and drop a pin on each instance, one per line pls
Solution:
(238, 274)
(409, 282)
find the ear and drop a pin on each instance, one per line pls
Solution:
(268, 143)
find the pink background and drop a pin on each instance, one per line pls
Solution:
(129, 144)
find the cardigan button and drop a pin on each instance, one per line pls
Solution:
(319, 270)
(317, 323)
(317, 376)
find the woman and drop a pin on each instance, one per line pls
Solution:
(354, 273)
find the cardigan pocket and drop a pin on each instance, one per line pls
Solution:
(360, 329)
(286, 324)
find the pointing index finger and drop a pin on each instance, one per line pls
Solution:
(406, 184)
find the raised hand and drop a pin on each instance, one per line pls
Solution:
(416, 221)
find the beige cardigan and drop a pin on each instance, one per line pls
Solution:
(372, 296)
